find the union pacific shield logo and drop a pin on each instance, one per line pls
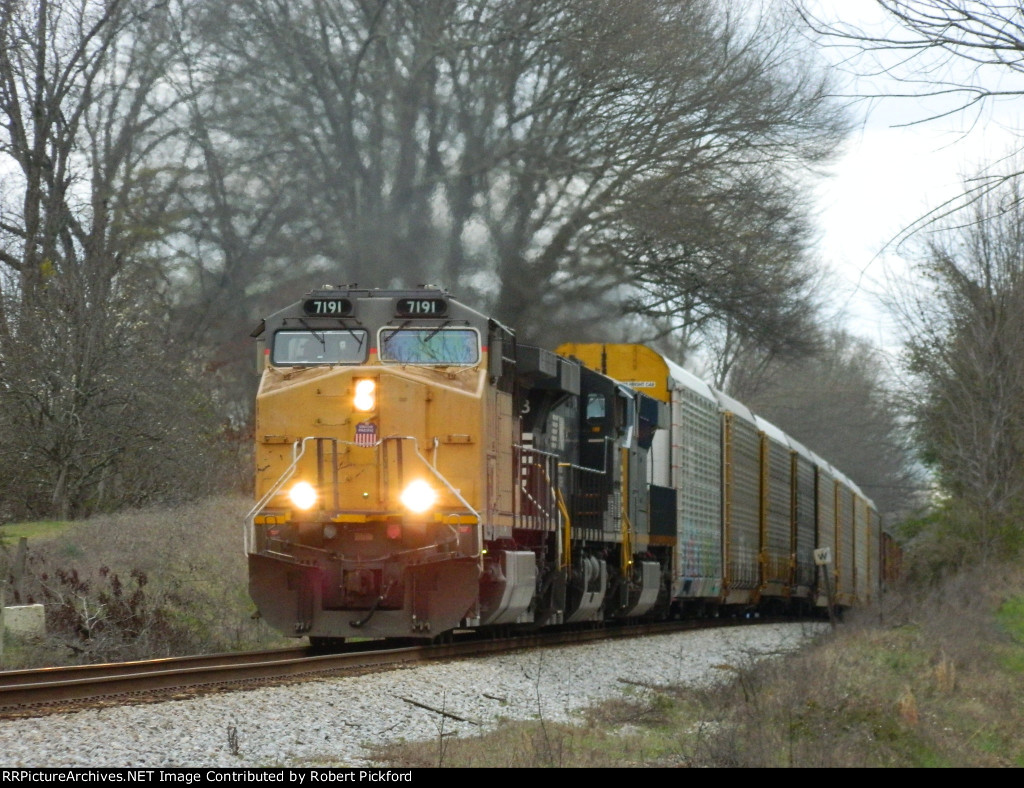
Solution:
(366, 433)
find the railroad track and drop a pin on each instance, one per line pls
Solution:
(60, 689)
(52, 690)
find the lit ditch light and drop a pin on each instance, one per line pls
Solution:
(418, 497)
(303, 495)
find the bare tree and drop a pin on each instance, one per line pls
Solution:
(961, 310)
(728, 273)
(959, 56)
(89, 376)
(514, 150)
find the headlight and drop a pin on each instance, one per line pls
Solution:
(303, 495)
(418, 496)
(365, 398)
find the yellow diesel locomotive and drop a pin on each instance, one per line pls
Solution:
(418, 471)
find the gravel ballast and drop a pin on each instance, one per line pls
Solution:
(328, 722)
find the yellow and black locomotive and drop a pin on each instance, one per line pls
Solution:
(418, 471)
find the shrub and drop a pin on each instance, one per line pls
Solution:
(142, 584)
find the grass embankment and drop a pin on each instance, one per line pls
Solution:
(929, 678)
(150, 583)
(37, 532)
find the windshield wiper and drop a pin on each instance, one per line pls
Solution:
(434, 333)
(318, 337)
(389, 336)
(354, 335)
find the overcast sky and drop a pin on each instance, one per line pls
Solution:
(888, 178)
(890, 175)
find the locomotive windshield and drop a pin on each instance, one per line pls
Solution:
(447, 346)
(309, 346)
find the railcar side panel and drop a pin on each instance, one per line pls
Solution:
(776, 511)
(863, 550)
(891, 559)
(741, 503)
(804, 516)
(846, 544)
(825, 580)
(697, 462)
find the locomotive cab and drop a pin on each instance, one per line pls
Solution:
(383, 454)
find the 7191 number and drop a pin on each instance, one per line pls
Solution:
(421, 306)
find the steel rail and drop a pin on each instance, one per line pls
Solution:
(35, 688)
(48, 690)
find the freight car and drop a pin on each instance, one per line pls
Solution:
(418, 470)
